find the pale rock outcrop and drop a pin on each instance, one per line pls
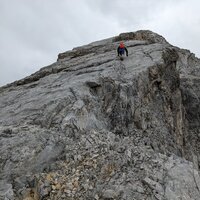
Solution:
(91, 126)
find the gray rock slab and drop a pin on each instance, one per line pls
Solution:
(91, 126)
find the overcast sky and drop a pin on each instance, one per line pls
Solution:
(33, 32)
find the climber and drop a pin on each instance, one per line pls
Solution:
(120, 50)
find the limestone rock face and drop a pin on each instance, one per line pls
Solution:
(91, 126)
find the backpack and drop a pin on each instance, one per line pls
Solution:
(121, 45)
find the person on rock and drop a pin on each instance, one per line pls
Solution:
(121, 50)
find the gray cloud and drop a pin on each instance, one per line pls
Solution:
(33, 32)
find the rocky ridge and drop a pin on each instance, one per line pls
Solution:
(90, 126)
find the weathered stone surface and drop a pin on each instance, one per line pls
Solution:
(6, 191)
(93, 127)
